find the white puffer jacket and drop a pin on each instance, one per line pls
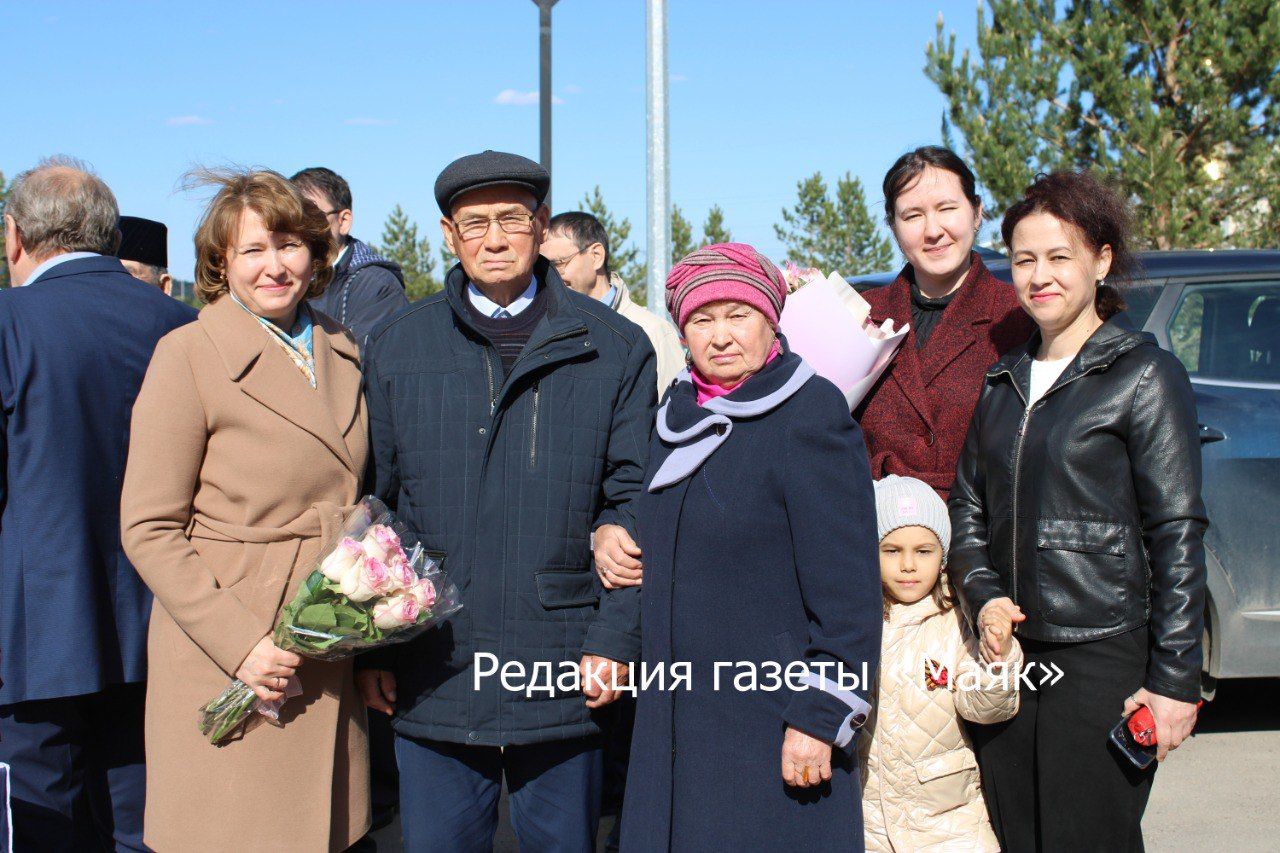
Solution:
(920, 786)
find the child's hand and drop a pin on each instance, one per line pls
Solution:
(995, 626)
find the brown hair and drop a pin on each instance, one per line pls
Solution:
(1096, 212)
(282, 208)
(911, 166)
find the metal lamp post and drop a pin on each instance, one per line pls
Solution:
(659, 210)
(544, 86)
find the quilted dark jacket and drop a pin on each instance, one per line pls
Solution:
(509, 479)
(1085, 509)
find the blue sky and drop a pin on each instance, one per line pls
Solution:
(386, 93)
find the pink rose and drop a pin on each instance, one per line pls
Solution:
(366, 579)
(402, 574)
(424, 592)
(396, 612)
(380, 542)
(342, 559)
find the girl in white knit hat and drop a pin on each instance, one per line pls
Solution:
(919, 775)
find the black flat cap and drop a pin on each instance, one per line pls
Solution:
(488, 169)
(144, 241)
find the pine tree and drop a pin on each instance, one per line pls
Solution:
(1175, 103)
(400, 243)
(713, 229)
(681, 235)
(833, 234)
(624, 257)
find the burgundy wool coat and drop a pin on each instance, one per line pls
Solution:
(916, 418)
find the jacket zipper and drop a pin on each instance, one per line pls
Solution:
(533, 442)
(488, 373)
(1017, 461)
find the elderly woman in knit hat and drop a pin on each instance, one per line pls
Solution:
(757, 529)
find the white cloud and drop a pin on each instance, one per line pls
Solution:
(187, 121)
(573, 89)
(365, 121)
(516, 98)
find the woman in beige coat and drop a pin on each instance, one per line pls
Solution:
(248, 443)
(920, 785)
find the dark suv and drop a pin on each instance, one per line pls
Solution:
(1219, 313)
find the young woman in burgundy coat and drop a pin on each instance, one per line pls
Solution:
(962, 320)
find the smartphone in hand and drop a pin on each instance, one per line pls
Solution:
(1135, 737)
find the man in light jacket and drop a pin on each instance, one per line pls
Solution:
(578, 247)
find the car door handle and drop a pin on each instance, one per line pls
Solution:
(1208, 435)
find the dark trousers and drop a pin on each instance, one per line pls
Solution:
(76, 770)
(1051, 779)
(621, 719)
(449, 795)
(384, 779)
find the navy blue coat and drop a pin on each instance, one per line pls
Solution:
(509, 479)
(74, 346)
(766, 553)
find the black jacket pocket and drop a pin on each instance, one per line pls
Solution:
(566, 588)
(1081, 572)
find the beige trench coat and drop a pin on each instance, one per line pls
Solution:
(237, 469)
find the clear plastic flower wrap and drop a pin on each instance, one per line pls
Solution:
(364, 592)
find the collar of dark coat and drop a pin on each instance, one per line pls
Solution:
(555, 339)
(683, 410)
(78, 266)
(254, 362)
(974, 305)
(1112, 339)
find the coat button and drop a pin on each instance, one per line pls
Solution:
(482, 430)
(586, 343)
(932, 438)
(472, 736)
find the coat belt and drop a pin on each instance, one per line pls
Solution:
(265, 595)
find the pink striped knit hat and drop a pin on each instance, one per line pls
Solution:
(725, 271)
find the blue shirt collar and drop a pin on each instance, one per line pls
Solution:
(54, 261)
(489, 308)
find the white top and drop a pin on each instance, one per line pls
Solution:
(489, 308)
(1043, 375)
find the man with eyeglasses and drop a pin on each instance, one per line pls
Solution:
(577, 245)
(366, 287)
(509, 423)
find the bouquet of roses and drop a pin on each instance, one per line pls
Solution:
(364, 592)
(826, 323)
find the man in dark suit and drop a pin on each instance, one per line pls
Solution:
(76, 334)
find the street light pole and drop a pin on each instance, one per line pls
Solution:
(659, 212)
(544, 86)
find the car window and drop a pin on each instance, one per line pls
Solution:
(1140, 299)
(1229, 331)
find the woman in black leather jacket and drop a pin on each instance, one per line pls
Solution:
(1077, 518)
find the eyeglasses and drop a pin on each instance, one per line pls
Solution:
(561, 263)
(332, 212)
(475, 227)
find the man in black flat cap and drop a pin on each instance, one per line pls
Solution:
(510, 421)
(144, 251)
